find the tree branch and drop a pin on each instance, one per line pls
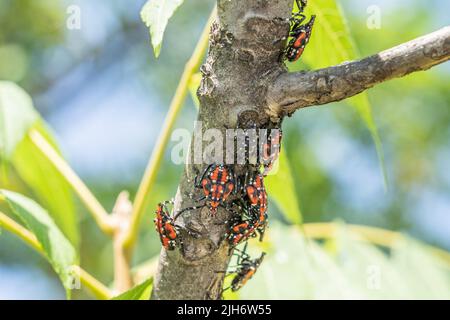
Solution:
(245, 85)
(292, 91)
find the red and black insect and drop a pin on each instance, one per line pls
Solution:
(217, 183)
(245, 270)
(257, 200)
(166, 228)
(271, 150)
(300, 33)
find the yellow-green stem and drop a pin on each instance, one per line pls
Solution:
(95, 287)
(90, 201)
(147, 183)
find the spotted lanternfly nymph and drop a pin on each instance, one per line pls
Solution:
(166, 228)
(217, 183)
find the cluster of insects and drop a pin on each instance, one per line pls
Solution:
(244, 195)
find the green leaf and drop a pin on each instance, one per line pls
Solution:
(48, 185)
(331, 44)
(140, 292)
(17, 115)
(281, 188)
(59, 251)
(156, 14)
(345, 267)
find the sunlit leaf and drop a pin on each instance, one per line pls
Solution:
(140, 292)
(17, 115)
(156, 14)
(17, 62)
(60, 253)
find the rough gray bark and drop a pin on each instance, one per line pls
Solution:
(244, 85)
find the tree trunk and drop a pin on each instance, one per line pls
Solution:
(243, 59)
